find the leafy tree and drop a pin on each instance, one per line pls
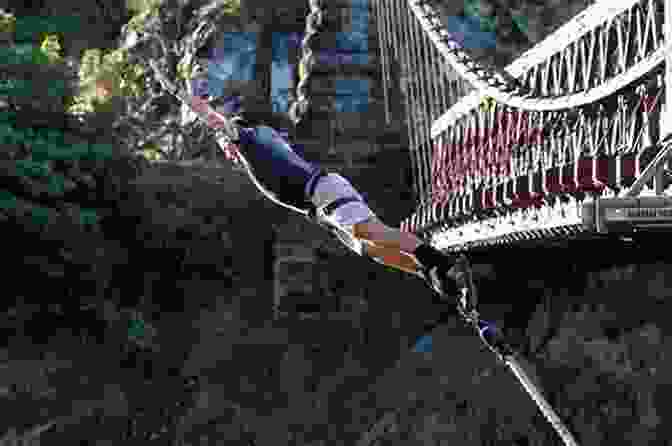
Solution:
(105, 75)
(178, 32)
(143, 10)
(7, 25)
(51, 48)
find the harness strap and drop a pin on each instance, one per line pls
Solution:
(346, 237)
(314, 181)
(331, 207)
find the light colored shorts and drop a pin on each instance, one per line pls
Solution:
(345, 217)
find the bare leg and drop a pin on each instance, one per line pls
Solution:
(393, 258)
(406, 252)
(389, 246)
(380, 234)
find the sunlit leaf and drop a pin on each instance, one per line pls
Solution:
(51, 47)
(7, 23)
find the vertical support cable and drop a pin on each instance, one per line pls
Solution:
(414, 45)
(396, 24)
(435, 79)
(424, 105)
(428, 97)
(441, 104)
(421, 101)
(431, 98)
(382, 47)
(431, 79)
(412, 94)
(446, 141)
(387, 6)
(440, 107)
(443, 79)
(667, 114)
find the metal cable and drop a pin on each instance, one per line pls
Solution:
(394, 27)
(443, 93)
(382, 47)
(425, 104)
(416, 98)
(411, 94)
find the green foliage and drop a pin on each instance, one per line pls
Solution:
(79, 150)
(49, 145)
(52, 48)
(7, 117)
(104, 75)
(41, 150)
(140, 331)
(33, 169)
(7, 24)
(35, 28)
(136, 327)
(42, 170)
(11, 135)
(487, 104)
(25, 88)
(90, 63)
(33, 69)
(185, 70)
(152, 152)
(472, 8)
(100, 151)
(521, 22)
(88, 217)
(56, 184)
(25, 53)
(489, 24)
(144, 10)
(34, 73)
(232, 7)
(7, 200)
(139, 6)
(41, 215)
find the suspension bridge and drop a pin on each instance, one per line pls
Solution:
(571, 140)
(574, 142)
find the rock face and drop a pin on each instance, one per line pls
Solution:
(589, 332)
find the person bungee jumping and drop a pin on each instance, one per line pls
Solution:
(329, 199)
